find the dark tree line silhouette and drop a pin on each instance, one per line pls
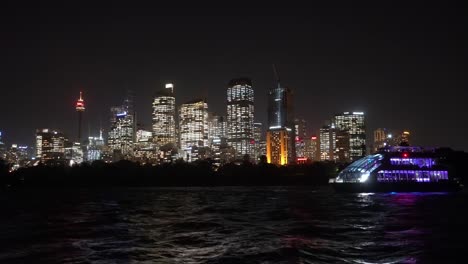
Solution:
(200, 173)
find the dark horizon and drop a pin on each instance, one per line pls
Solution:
(403, 66)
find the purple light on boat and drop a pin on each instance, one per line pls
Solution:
(420, 162)
(411, 175)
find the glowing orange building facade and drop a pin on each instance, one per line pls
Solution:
(278, 146)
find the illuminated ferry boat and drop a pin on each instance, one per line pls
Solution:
(396, 169)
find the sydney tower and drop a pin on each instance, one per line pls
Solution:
(80, 107)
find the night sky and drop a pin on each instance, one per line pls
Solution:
(404, 66)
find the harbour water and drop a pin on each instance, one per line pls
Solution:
(231, 225)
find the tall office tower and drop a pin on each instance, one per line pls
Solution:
(2, 148)
(381, 137)
(342, 146)
(95, 148)
(218, 140)
(280, 135)
(354, 123)
(80, 108)
(50, 145)
(121, 134)
(164, 113)
(216, 128)
(312, 148)
(301, 136)
(113, 138)
(327, 142)
(258, 137)
(193, 121)
(300, 128)
(129, 108)
(240, 116)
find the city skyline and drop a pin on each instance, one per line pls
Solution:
(330, 65)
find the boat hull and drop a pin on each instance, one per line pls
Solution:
(397, 187)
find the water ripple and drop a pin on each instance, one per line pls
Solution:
(231, 225)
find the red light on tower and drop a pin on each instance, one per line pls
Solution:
(80, 103)
(405, 155)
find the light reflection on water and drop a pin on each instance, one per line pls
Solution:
(231, 225)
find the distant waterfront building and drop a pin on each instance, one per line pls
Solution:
(217, 136)
(385, 138)
(164, 114)
(262, 148)
(354, 124)
(217, 128)
(240, 117)
(381, 137)
(122, 130)
(312, 148)
(301, 136)
(120, 139)
(403, 138)
(74, 153)
(18, 156)
(193, 121)
(94, 149)
(280, 139)
(342, 148)
(300, 128)
(258, 137)
(50, 145)
(145, 150)
(327, 142)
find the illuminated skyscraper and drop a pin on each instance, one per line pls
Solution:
(194, 128)
(18, 156)
(380, 138)
(122, 129)
(120, 139)
(354, 123)
(217, 136)
(342, 148)
(384, 138)
(312, 148)
(301, 136)
(94, 148)
(280, 134)
(403, 139)
(258, 136)
(164, 112)
(74, 153)
(50, 145)
(80, 108)
(240, 116)
(327, 142)
(300, 127)
(216, 128)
